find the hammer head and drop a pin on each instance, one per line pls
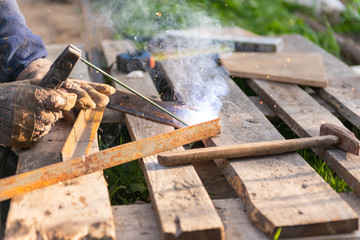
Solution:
(348, 143)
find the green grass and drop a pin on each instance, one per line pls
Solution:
(324, 171)
(126, 182)
(142, 19)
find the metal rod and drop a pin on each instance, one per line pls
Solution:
(133, 91)
(246, 150)
(59, 172)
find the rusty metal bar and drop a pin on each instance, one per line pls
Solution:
(76, 167)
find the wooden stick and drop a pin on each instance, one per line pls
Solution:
(246, 150)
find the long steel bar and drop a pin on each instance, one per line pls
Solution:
(76, 167)
(133, 91)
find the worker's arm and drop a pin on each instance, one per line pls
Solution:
(28, 111)
(18, 45)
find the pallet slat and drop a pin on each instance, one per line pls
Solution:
(279, 191)
(302, 113)
(183, 207)
(342, 92)
(278, 67)
(138, 221)
(74, 209)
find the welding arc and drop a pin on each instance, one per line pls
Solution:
(133, 91)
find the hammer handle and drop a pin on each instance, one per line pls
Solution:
(246, 150)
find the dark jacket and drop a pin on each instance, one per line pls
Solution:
(18, 45)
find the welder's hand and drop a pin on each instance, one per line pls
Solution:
(28, 111)
(49, 105)
(89, 95)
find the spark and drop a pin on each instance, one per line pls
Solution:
(275, 106)
(49, 10)
(288, 59)
(267, 76)
(158, 14)
(353, 89)
(261, 102)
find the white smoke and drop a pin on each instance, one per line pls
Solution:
(199, 82)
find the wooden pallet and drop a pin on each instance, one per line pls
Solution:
(249, 199)
(75, 209)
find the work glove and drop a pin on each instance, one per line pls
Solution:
(28, 111)
(89, 95)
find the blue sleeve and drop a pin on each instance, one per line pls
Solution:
(18, 45)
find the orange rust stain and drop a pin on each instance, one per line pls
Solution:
(58, 173)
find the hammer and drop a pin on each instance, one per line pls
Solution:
(61, 68)
(330, 135)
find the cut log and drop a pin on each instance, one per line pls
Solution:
(278, 191)
(296, 68)
(183, 208)
(75, 209)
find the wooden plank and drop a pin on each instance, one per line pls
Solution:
(134, 222)
(278, 191)
(183, 207)
(278, 67)
(74, 209)
(342, 92)
(356, 69)
(264, 108)
(139, 222)
(304, 115)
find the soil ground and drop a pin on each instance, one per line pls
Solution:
(65, 21)
(54, 21)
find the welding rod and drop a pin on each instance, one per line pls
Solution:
(133, 91)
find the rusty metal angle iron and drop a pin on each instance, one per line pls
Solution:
(79, 166)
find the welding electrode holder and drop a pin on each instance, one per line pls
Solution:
(138, 60)
(61, 68)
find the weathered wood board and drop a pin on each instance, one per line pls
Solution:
(278, 191)
(74, 209)
(134, 222)
(304, 115)
(356, 69)
(296, 68)
(183, 207)
(343, 91)
(138, 221)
